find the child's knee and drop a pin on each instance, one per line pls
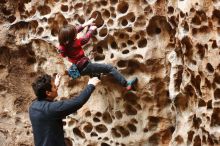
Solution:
(110, 67)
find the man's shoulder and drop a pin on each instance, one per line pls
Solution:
(38, 103)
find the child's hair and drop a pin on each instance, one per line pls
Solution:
(67, 34)
(41, 85)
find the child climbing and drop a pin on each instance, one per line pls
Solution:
(71, 47)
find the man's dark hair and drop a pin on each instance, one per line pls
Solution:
(41, 85)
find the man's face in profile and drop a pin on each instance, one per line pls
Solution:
(53, 93)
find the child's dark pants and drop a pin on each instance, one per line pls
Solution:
(104, 68)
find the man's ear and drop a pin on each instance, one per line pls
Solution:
(48, 93)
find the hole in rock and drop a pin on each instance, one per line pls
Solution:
(99, 49)
(68, 142)
(217, 78)
(3, 1)
(114, 45)
(112, 55)
(170, 9)
(99, 21)
(196, 20)
(123, 45)
(11, 19)
(214, 44)
(131, 97)
(103, 32)
(202, 103)
(99, 57)
(104, 2)
(190, 135)
(216, 14)
(6, 11)
(77, 132)
(209, 104)
(93, 134)
(113, 2)
(197, 141)
(186, 26)
(122, 7)
(118, 114)
(115, 133)
(124, 22)
(104, 144)
(217, 93)
(121, 35)
(107, 117)
(88, 127)
(153, 122)
(81, 20)
(44, 10)
(123, 131)
(209, 68)
(129, 109)
(31, 60)
(54, 32)
(88, 114)
(106, 13)
(64, 8)
(78, 5)
(125, 52)
(142, 43)
(130, 42)
(148, 10)
(137, 37)
(122, 63)
(134, 48)
(156, 24)
(132, 127)
(95, 119)
(179, 139)
(110, 22)
(196, 122)
(101, 128)
(154, 139)
(106, 138)
(201, 50)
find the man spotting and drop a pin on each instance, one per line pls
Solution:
(46, 115)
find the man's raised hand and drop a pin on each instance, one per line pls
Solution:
(94, 81)
(57, 80)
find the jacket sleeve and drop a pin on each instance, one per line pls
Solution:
(60, 109)
(86, 38)
(79, 28)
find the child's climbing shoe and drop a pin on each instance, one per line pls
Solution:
(130, 84)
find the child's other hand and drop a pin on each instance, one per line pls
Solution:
(90, 22)
(93, 28)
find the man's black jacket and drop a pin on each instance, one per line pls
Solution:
(46, 117)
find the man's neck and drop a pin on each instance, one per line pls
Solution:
(48, 99)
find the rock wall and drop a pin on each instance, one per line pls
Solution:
(172, 46)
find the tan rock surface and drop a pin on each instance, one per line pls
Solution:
(172, 46)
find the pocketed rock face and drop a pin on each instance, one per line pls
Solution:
(173, 48)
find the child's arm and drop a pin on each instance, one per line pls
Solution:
(88, 35)
(88, 23)
(79, 28)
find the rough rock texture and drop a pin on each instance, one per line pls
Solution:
(172, 46)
